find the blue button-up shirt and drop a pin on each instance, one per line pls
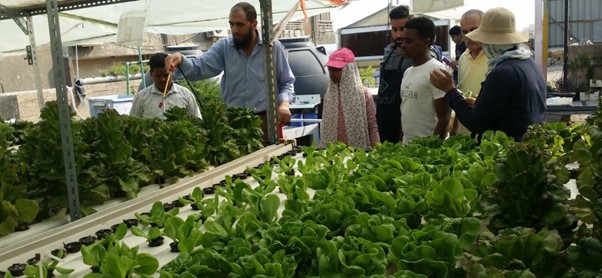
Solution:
(243, 83)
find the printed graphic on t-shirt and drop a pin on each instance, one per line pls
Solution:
(407, 93)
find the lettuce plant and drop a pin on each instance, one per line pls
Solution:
(15, 209)
(112, 258)
(186, 233)
(157, 216)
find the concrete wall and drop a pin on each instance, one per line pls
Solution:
(16, 75)
(24, 105)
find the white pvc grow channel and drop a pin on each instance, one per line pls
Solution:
(46, 236)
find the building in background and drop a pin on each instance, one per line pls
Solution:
(93, 60)
(584, 22)
(368, 36)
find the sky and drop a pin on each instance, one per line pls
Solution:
(524, 10)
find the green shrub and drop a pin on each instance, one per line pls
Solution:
(117, 69)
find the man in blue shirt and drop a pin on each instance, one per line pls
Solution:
(242, 59)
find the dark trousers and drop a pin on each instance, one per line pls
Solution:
(388, 118)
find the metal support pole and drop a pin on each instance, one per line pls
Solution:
(36, 66)
(141, 66)
(56, 48)
(540, 39)
(127, 79)
(76, 62)
(565, 58)
(270, 76)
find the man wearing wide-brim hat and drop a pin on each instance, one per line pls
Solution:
(513, 95)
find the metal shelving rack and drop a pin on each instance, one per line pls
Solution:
(52, 9)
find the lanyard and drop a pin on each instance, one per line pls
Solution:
(165, 91)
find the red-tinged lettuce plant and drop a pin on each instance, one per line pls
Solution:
(531, 193)
(584, 257)
(521, 249)
(557, 138)
(588, 153)
(585, 253)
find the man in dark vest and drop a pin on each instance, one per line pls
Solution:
(388, 114)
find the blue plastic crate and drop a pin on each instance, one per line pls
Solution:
(296, 116)
(121, 103)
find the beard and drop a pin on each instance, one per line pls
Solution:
(245, 41)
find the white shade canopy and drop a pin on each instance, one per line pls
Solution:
(98, 24)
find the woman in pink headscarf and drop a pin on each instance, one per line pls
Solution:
(349, 112)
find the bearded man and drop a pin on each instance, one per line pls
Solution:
(241, 57)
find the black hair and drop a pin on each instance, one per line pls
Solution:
(455, 31)
(425, 28)
(399, 12)
(248, 9)
(157, 61)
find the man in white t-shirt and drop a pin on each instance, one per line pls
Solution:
(424, 110)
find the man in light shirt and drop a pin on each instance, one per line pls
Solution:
(424, 110)
(472, 65)
(163, 94)
(241, 57)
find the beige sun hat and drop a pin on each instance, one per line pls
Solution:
(498, 27)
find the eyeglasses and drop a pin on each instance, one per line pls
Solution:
(464, 32)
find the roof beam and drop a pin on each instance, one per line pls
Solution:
(8, 13)
(19, 20)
